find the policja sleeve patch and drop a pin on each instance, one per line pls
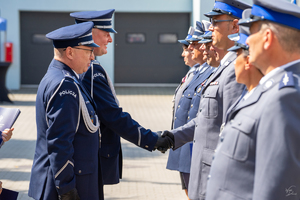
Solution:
(287, 80)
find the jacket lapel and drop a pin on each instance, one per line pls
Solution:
(220, 69)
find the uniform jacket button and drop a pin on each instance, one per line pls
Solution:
(108, 155)
(182, 96)
(189, 95)
(146, 146)
(175, 118)
(188, 117)
(195, 94)
(192, 105)
(179, 106)
(79, 171)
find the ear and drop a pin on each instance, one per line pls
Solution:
(202, 47)
(268, 38)
(247, 64)
(235, 26)
(69, 53)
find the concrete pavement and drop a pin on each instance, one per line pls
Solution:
(144, 173)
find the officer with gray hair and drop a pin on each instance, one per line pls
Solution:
(114, 123)
(259, 157)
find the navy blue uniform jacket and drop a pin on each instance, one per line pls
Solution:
(66, 154)
(113, 124)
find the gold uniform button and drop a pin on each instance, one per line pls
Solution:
(108, 155)
(79, 171)
(146, 146)
(179, 106)
(182, 96)
(191, 105)
(189, 117)
(195, 94)
(189, 95)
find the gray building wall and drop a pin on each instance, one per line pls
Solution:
(10, 9)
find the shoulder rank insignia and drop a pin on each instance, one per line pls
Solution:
(287, 80)
(67, 74)
(95, 62)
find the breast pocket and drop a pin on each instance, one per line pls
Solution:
(238, 137)
(209, 107)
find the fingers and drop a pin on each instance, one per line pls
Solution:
(162, 149)
(6, 134)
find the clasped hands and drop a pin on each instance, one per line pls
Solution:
(164, 142)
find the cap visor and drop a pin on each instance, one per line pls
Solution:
(91, 45)
(234, 48)
(234, 37)
(194, 39)
(212, 13)
(111, 30)
(183, 42)
(247, 22)
(204, 41)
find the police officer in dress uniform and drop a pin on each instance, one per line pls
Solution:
(210, 57)
(259, 156)
(113, 121)
(219, 92)
(187, 54)
(66, 163)
(180, 160)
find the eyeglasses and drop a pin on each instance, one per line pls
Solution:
(215, 21)
(91, 50)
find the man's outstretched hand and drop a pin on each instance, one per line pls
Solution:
(164, 142)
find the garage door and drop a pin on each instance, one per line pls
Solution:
(36, 49)
(146, 47)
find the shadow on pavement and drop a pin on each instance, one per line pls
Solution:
(18, 149)
(131, 151)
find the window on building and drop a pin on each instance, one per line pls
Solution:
(136, 38)
(167, 38)
(40, 39)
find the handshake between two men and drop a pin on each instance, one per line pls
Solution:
(164, 142)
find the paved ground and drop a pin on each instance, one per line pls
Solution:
(144, 173)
